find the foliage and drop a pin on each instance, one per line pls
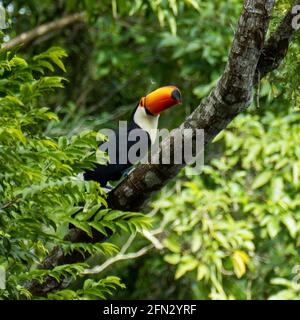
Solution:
(232, 225)
(90, 290)
(40, 192)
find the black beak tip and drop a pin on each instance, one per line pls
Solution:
(176, 95)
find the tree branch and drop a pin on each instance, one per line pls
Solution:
(27, 37)
(277, 45)
(231, 96)
(249, 55)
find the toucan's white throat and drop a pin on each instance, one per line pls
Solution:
(146, 122)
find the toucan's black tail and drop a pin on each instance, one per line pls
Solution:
(104, 173)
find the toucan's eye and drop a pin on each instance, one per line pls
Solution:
(176, 95)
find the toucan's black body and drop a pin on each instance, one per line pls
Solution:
(114, 172)
(144, 118)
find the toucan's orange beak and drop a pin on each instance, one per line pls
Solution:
(161, 99)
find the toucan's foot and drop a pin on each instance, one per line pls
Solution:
(127, 172)
(107, 188)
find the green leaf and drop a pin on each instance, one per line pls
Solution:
(172, 258)
(262, 179)
(273, 227)
(172, 245)
(291, 224)
(240, 259)
(187, 264)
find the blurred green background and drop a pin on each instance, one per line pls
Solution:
(232, 232)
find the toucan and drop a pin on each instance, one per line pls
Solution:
(145, 118)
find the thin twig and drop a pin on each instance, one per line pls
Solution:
(29, 36)
(128, 243)
(258, 90)
(118, 257)
(156, 243)
(9, 203)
